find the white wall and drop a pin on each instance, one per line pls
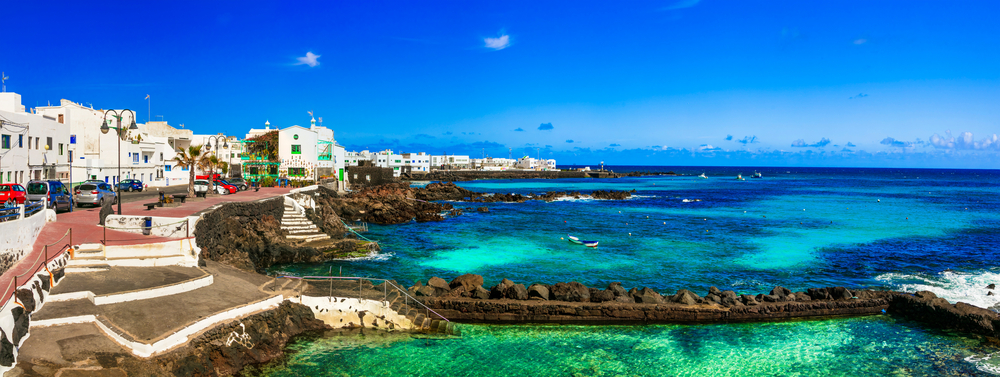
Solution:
(17, 237)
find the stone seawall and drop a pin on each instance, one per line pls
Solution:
(465, 300)
(512, 311)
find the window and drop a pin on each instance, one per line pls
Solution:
(60, 149)
(20, 141)
(296, 149)
(297, 172)
(166, 167)
(145, 158)
(36, 142)
(135, 158)
(6, 145)
(161, 156)
(48, 142)
(60, 118)
(184, 168)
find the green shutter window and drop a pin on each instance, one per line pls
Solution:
(6, 141)
(296, 149)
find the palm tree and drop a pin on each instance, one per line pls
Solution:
(190, 159)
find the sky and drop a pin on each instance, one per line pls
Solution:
(676, 82)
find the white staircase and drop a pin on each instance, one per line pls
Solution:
(299, 228)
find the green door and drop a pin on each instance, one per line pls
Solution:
(340, 174)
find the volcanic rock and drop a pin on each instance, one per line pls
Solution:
(684, 297)
(538, 291)
(469, 281)
(572, 292)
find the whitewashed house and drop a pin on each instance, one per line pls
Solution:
(32, 146)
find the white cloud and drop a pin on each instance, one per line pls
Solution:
(965, 140)
(498, 43)
(860, 41)
(310, 59)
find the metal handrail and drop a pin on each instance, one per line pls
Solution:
(403, 291)
(35, 268)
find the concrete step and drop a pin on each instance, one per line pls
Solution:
(298, 227)
(304, 231)
(90, 248)
(308, 238)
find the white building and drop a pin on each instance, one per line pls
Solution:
(145, 153)
(303, 153)
(32, 146)
(528, 163)
(418, 162)
(226, 148)
(494, 163)
(450, 162)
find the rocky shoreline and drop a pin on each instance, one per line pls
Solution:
(470, 175)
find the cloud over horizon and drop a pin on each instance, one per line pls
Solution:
(801, 143)
(519, 129)
(310, 59)
(545, 126)
(965, 140)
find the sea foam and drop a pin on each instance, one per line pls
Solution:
(953, 286)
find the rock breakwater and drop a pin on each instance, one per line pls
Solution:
(465, 299)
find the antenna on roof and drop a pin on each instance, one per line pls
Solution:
(4, 77)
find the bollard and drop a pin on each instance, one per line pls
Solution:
(147, 226)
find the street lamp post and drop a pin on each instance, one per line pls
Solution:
(122, 133)
(208, 146)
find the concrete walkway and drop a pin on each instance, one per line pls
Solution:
(83, 221)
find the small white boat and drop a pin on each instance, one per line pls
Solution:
(702, 176)
(757, 175)
(739, 177)
(581, 242)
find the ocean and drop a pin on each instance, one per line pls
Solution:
(901, 229)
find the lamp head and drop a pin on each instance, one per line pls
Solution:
(133, 126)
(105, 128)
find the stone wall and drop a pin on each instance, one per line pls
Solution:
(368, 176)
(28, 298)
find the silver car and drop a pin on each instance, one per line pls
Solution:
(95, 194)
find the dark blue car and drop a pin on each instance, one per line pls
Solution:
(130, 185)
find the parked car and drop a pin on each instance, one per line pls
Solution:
(130, 185)
(95, 194)
(239, 183)
(54, 191)
(232, 189)
(12, 194)
(202, 185)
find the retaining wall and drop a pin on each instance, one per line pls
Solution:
(172, 227)
(17, 237)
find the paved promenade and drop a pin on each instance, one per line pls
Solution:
(83, 221)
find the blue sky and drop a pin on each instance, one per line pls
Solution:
(768, 83)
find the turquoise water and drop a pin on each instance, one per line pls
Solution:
(871, 346)
(799, 228)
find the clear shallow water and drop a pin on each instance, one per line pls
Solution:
(805, 228)
(871, 346)
(897, 229)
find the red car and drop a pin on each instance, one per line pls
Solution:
(232, 189)
(12, 194)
